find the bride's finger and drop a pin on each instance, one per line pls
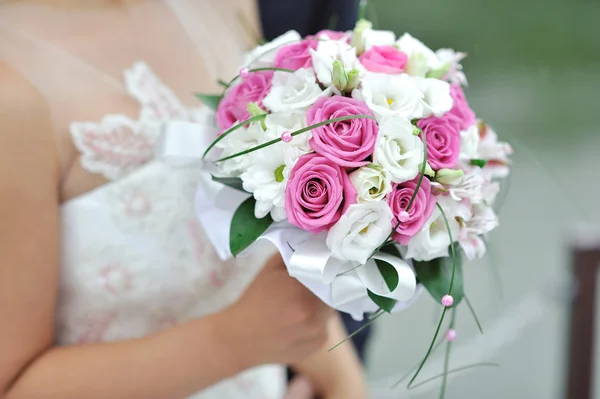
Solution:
(300, 388)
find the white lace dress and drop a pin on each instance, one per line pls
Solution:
(134, 258)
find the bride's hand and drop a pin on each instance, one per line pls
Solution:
(277, 320)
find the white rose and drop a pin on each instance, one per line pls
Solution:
(331, 50)
(264, 56)
(436, 97)
(372, 183)
(416, 50)
(291, 91)
(398, 150)
(433, 240)
(360, 230)
(388, 95)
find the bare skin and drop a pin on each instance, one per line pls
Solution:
(296, 329)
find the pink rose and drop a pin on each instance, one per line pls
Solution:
(234, 106)
(333, 35)
(461, 108)
(318, 192)
(348, 143)
(296, 55)
(420, 211)
(384, 59)
(443, 140)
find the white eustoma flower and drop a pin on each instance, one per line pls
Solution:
(372, 183)
(433, 240)
(373, 37)
(436, 97)
(360, 230)
(418, 53)
(331, 50)
(450, 57)
(398, 151)
(480, 223)
(389, 95)
(292, 91)
(266, 178)
(279, 122)
(469, 144)
(264, 56)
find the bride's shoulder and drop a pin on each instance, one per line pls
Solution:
(25, 128)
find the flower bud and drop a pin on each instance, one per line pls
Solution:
(353, 79)
(255, 110)
(449, 177)
(358, 40)
(416, 65)
(338, 76)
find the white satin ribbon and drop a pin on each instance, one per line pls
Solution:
(342, 285)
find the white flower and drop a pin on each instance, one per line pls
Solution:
(450, 57)
(238, 141)
(266, 178)
(360, 231)
(331, 50)
(291, 91)
(388, 95)
(469, 143)
(491, 149)
(470, 187)
(264, 56)
(398, 150)
(436, 96)
(433, 240)
(279, 122)
(482, 222)
(372, 183)
(372, 37)
(416, 50)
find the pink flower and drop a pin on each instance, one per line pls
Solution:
(318, 192)
(461, 108)
(347, 143)
(296, 55)
(384, 59)
(333, 35)
(234, 106)
(443, 140)
(420, 211)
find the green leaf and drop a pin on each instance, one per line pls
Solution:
(233, 182)
(435, 276)
(389, 274)
(245, 227)
(478, 162)
(210, 100)
(384, 303)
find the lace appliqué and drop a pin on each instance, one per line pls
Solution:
(118, 145)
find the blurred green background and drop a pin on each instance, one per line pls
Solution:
(533, 71)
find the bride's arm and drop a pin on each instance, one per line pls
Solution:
(173, 364)
(336, 374)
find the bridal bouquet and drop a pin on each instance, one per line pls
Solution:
(354, 153)
(358, 156)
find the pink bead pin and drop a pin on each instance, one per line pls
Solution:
(447, 300)
(286, 136)
(244, 73)
(404, 216)
(451, 335)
